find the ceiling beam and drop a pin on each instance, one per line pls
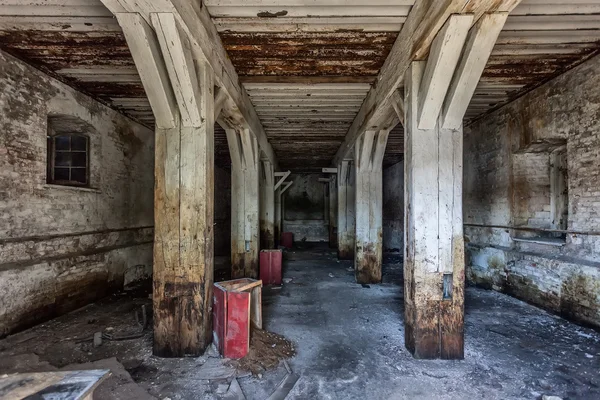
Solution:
(424, 21)
(479, 46)
(198, 28)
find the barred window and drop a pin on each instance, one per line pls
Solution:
(68, 160)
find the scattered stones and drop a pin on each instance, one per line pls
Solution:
(97, 339)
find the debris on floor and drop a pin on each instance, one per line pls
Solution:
(267, 350)
(234, 392)
(215, 369)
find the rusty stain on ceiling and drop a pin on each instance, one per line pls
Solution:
(309, 45)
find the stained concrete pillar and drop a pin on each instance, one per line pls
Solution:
(267, 206)
(346, 219)
(434, 244)
(368, 162)
(245, 202)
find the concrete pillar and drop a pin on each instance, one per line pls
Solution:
(243, 149)
(434, 244)
(346, 218)
(333, 211)
(267, 206)
(368, 161)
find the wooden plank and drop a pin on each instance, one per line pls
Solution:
(479, 45)
(148, 60)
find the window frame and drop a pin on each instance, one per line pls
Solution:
(51, 160)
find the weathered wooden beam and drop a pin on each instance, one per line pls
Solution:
(267, 206)
(147, 56)
(196, 23)
(443, 57)
(398, 105)
(424, 21)
(434, 254)
(283, 176)
(180, 65)
(479, 45)
(369, 151)
(245, 226)
(346, 209)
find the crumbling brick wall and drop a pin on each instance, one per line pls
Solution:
(63, 247)
(505, 184)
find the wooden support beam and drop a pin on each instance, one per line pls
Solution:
(286, 186)
(346, 209)
(245, 200)
(330, 170)
(369, 151)
(146, 54)
(333, 210)
(195, 22)
(426, 18)
(267, 206)
(434, 244)
(398, 105)
(283, 176)
(220, 99)
(443, 57)
(479, 45)
(184, 184)
(177, 54)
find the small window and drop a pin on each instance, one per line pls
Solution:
(68, 160)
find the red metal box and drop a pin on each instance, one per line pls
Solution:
(270, 267)
(287, 240)
(236, 304)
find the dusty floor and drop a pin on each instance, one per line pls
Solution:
(349, 341)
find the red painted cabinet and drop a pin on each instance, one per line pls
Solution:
(270, 267)
(287, 240)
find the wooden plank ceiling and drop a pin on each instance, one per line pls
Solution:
(306, 64)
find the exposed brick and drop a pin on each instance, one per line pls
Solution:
(507, 184)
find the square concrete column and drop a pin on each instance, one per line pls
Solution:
(434, 244)
(267, 206)
(346, 185)
(243, 149)
(368, 161)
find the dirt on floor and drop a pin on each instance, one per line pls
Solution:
(267, 351)
(344, 340)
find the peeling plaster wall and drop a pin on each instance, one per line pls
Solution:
(505, 183)
(305, 213)
(393, 208)
(63, 247)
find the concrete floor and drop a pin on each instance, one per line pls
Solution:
(350, 345)
(351, 341)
